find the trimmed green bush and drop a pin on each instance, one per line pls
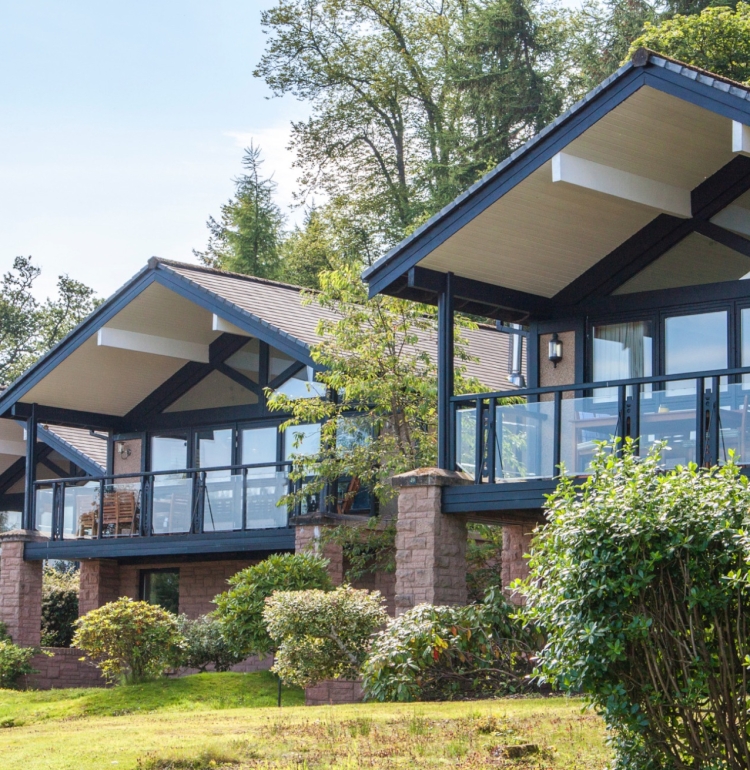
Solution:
(59, 606)
(322, 634)
(240, 610)
(15, 662)
(204, 645)
(442, 653)
(641, 582)
(129, 641)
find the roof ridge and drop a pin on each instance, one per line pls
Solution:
(228, 274)
(643, 54)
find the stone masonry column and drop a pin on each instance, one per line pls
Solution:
(100, 584)
(516, 542)
(430, 545)
(307, 538)
(20, 589)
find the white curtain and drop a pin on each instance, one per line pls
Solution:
(622, 351)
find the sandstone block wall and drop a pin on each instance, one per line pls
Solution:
(64, 669)
(516, 542)
(20, 592)
(334, 692)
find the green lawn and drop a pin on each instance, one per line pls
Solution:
(227, 721)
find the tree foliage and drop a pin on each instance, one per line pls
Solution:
(247, 238)
(717, 39)
(441, 653)
(410, 101)
(15, 662)
(376, 357)
(322, 634)
(240, 609)
(129, 640)
(29, 328)
(641, 583)
(60, 589)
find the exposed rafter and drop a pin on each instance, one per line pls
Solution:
(150, 343)
(740, 138)
(13, 448)
(220, 325)
(580, 172)
(661, 234)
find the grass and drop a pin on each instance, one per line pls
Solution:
(212, 721)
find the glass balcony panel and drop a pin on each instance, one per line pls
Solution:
(172, 505)
(43, 510)
(583, 422)
(734, 423)
(524, 441)
(10, 520)
(81, 511)
(263, 492)
(222, 503)
(466, 420)
(669, 415)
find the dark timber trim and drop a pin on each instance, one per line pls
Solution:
(67, 417)
(445, 371)
(30, 471)
(263, 540)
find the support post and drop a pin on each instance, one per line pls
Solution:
(445, 373)
(29, 491)
(20, 589)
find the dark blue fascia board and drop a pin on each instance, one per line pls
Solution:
(578, 120)
(69, 452)
(262, 540)
(519, 166)
(76, 338)
(252, 324)
(528, 498)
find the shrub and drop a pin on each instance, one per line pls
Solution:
(203, 645)
(59, 606)
(322, 634)
(240, 610)
(15, 662)
(129, 640)
(641, 581)
(440, 653)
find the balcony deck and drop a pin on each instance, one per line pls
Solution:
(187, 512)
(515, 443)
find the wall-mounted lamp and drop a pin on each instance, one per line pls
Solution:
(555, 350)
(123, 450)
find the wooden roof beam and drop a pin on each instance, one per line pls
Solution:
(584, 173)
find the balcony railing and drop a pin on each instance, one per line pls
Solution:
(529, 434)
(187, 501)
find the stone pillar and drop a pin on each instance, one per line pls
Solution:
(307, 538)
(516, 543)
(430, 545)
(20, 589)
(100, 584)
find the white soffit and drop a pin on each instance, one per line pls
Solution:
(541, 235)
(735, 218)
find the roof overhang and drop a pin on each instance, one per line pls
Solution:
(159, 325)
(656, 152)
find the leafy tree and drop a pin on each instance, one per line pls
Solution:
(441, 653)
(308, 251)
(377, 362)
(641, 583)
(247, 238)
(28, 328)
(322, 634)
(240, 609)
(717, 39)
(129, 640)
(410, 101)
(15, 662)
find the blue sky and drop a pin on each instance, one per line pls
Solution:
(122, 127)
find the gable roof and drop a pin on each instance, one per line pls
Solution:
(529, 283)
(177, 301)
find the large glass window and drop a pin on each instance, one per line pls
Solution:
(214, 448)
(621, 351)
(301, 440)
(302, 384)
(695, 343)
(161, 587)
